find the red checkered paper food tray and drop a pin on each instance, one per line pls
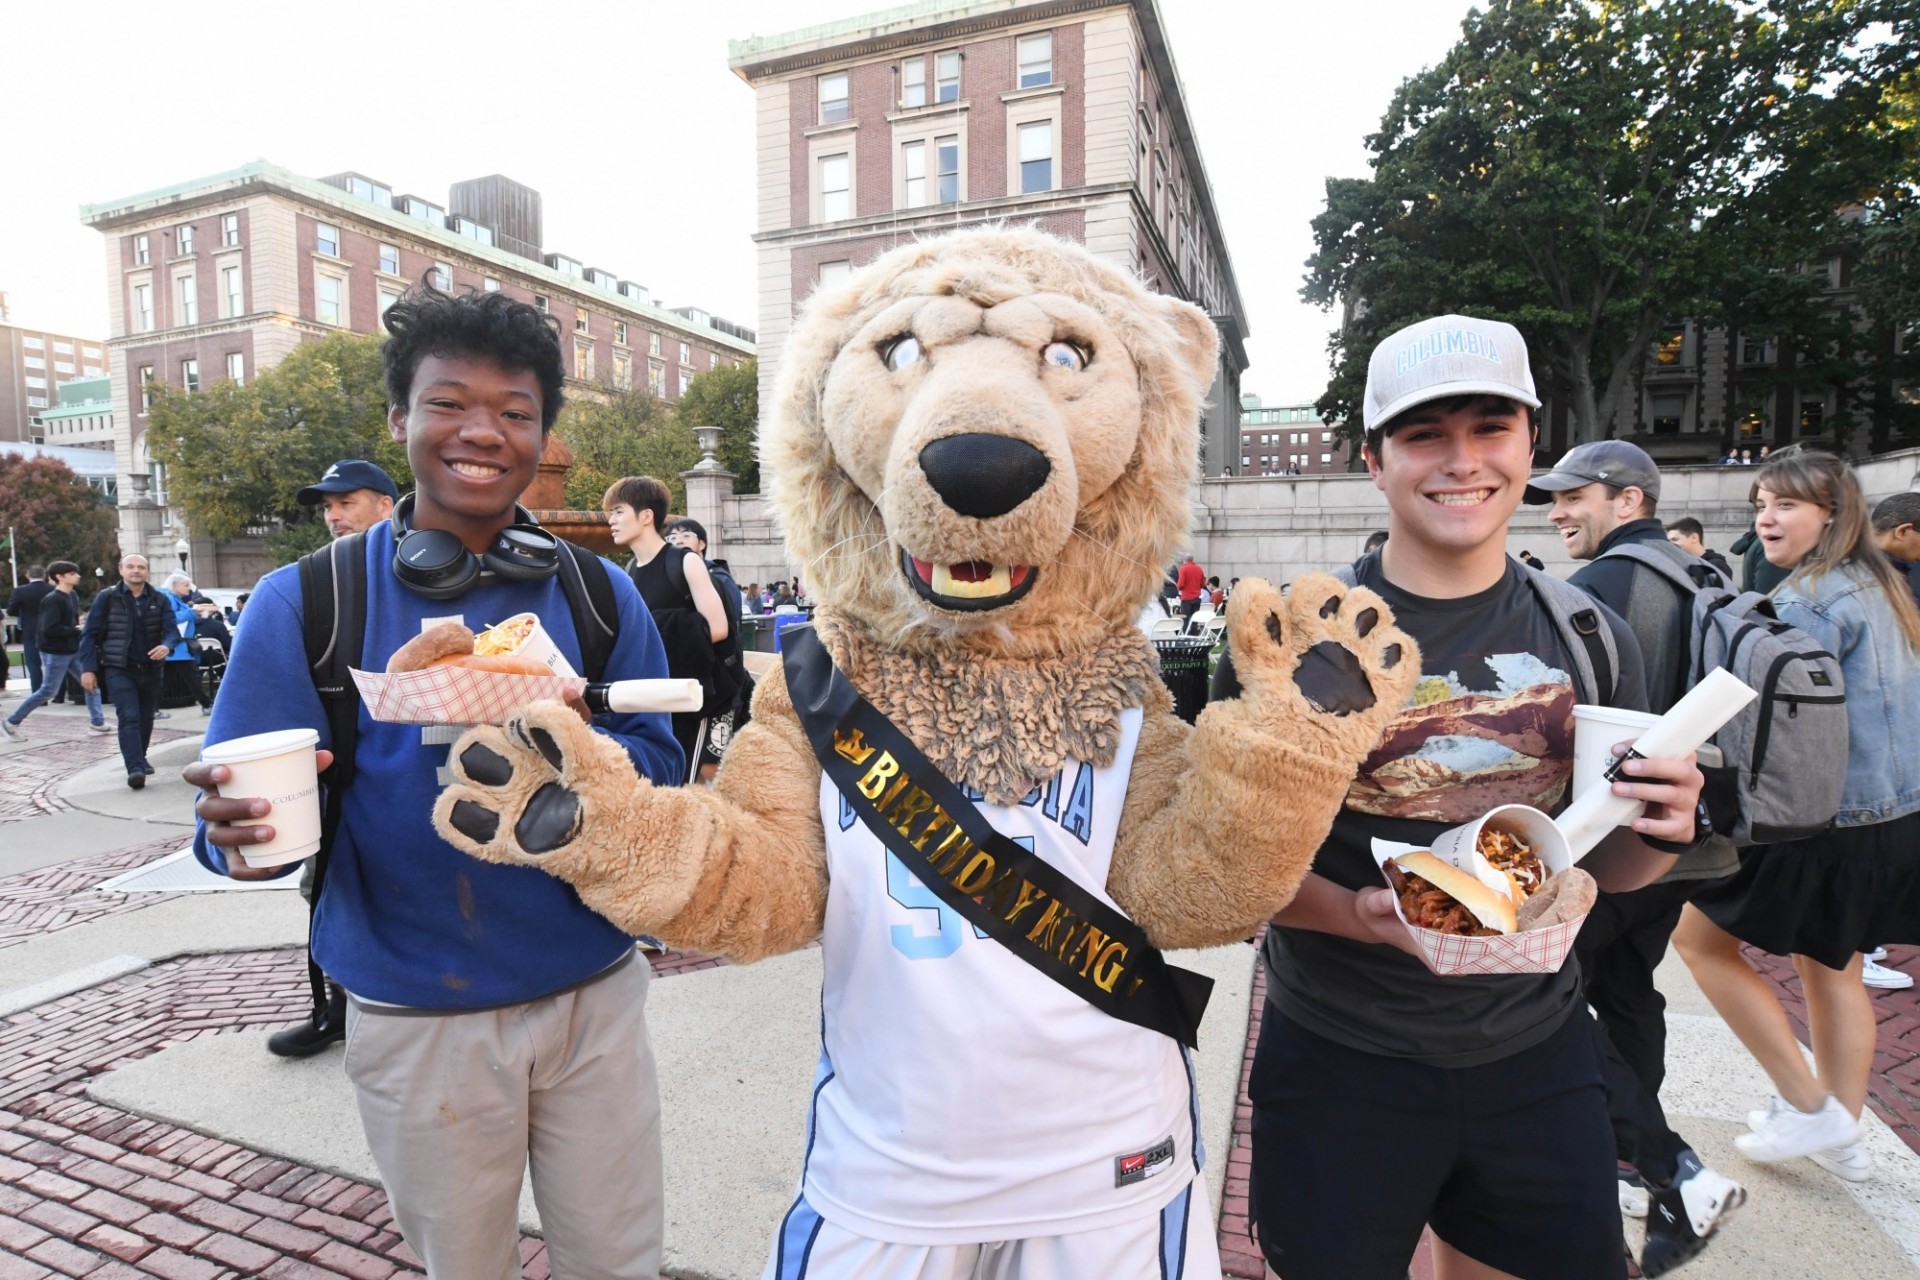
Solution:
(456, 695)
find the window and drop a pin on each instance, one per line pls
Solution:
(36, 362)
(61, 348)
(653, 345)
(833, 97)
(141, 251)
(390, 259)
(582, 359)
(1036, 60)
(686, 354)
(32, 343)
(1326, 437)
(490, 285)
(230, 230)
(187, 312)
(236, 368)
(582, 322)
(327, 292)
(36, 402)
(540, 301)
(1036, 156)
(946, 76)
(143, 308)
(1812, 413)
(913, 171)
(948, 173)
(1756, 351)
(146, 387)
(235, 303)
(620, 332)
(832, 273)
(622, 370)
(443, 276)
(38, 384)
(913, 82)
(368, 190)
(327, 239)
(656, 378)
(1326, 459)
(63, 366)
(836, 198)
(1669, 409)
(387, 298)
(685, 376)
(190, 374)
(184, 238)
(91, 353)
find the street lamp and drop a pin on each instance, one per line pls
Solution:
(181, 548)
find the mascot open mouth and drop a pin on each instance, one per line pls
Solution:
(969, 586)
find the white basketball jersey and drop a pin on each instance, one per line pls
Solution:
(962, 1095)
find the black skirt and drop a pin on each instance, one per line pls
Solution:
(1846, 890)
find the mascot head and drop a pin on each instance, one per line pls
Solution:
(987, 440)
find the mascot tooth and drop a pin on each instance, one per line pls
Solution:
(966, 780)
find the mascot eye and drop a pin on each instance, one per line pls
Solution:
(901, 352)
(1066, 355)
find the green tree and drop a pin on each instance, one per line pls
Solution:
(237, 456)
(54, 515)
(628, 433)
(1589, 170)
(728, 398)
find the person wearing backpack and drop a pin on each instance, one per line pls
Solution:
(493, 1021)
(1387, 1098)
(679, 593)
(1825, 899)
(725, 722)
(1605, 494)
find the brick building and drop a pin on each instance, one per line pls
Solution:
(1287, 440)
(221, 277)
(1063, 114)
(33, 365)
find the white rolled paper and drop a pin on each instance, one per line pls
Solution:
(1691, 721)
(654, 695)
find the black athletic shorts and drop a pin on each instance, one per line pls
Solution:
(1512, 1163)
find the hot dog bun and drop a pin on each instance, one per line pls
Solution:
(451, 644)
(1491, 908)
(500, 663)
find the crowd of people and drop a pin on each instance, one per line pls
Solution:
(1516, 1116)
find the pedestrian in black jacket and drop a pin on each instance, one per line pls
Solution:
(59, 642)
(24, 604)
(127, 636)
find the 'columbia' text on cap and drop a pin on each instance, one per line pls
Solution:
(1442, 357)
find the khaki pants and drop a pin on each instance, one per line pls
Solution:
(457, 1106)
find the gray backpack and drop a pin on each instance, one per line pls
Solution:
(1786, 751)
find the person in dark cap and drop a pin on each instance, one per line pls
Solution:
(691, 534)
(356, 493)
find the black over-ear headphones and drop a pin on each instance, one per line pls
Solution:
(437, 565)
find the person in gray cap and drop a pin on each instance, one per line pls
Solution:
(1605, 495)
(1362, 1043)
(357, 495)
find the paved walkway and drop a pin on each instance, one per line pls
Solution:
(91, 1189)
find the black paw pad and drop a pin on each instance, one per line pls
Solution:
(1331, 678)
(476, 822)
(1274, 630)
(1367, 620)
(543, 743)
(552, 819)
(1390, 656)
(1330, 607)
(486, 766)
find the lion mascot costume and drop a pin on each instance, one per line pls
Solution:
(966, 779)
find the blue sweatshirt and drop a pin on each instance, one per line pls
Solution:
(404, 917)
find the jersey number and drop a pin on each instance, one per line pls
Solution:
(949, 925)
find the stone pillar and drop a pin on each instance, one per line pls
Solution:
(709, 485)
(139, 519)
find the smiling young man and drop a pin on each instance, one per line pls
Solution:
(493, 1019)
(1385, 1097)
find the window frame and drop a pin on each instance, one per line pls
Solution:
(390, 258)
(911, 82)
(1022, 60)
(326, 234)
(940, 94)
(825, 111)
(229, 231)
(824, 195)
(238, 379)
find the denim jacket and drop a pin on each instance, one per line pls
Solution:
(1851, 617)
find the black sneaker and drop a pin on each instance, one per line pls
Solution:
(327, 1026)
(1681, 1218)
(136, 780)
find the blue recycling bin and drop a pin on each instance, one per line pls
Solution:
(781, 621)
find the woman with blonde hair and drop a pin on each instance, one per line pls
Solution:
(1825, 899)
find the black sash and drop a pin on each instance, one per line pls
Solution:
(1023, 902)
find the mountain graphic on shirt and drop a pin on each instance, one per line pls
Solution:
(1469, 741)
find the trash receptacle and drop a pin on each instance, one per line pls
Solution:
(1183, 665)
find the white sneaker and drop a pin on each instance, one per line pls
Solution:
(10, 733)
(1789, 1132)
(1757, 1120)
(1851, 1162)
(1872, 973)
(1876, 955)
(1633, 1192)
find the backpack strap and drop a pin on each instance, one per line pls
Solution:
(333, 611)
(676, 564)
(1585, 632)
(596, 614)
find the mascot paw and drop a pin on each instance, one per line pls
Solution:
(1327, 655)
(517, 793)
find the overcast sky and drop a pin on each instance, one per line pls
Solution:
(626, 119)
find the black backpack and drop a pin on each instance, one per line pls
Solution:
(333, 605)
(722, 679)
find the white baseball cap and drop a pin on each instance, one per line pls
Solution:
(1446, 356)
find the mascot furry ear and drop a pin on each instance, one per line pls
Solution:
(980, 456)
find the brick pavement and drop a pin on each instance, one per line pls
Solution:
(58, 746)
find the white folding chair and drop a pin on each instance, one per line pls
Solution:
(1167, 627)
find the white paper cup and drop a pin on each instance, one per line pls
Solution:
(279, 766)
(1595, 731)
(539, 646)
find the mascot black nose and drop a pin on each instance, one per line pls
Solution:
(984, 475)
